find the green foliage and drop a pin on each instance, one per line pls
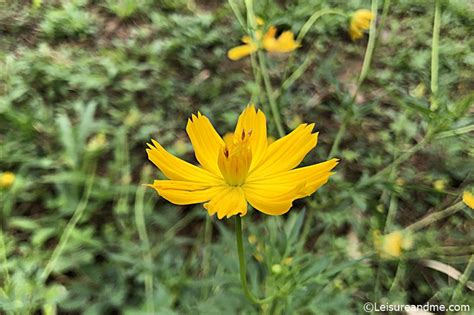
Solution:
(69, 21)
(84, 85)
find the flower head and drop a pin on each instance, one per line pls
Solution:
(468, 199)
(241, 168)
(7, 179)
(284, 43)
(360, 22)
(392, 244)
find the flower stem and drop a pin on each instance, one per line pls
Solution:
(71, 225)
(243, 269)
(363, 74)
(433, 217)
(434, 56)
(270, 95)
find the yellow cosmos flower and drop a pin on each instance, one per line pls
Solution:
(392, 244)
(360, 22)
(468, 199)
(7, 179)
(241, 168)
(284, 43)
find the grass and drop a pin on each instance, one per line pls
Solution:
(84, 85)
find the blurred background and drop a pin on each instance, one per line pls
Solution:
(85, 84)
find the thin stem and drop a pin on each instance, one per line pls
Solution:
(147, 257)
(402, 158)
(363, 74)
(313, 18)
(463, 279)
(383, 19)
(4, 257)
(243, 269)
(371, 44)
(435, 55)
(301, 34)
(76, 217)
(339, 135)
(237, 13)
(270, 96)
(435, 217)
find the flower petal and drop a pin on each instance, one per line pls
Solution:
(241, 51)
(184, 192)
(228, 202)
(254, 121)
(275, 194)
(287, 152)
(176, 169)
(206, 142)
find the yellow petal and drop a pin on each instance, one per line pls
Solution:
(283, 44)
(287, 152)
(259, 21)
(360, 22)
(206, 142)
(228, 202)
(239, 52)
(254, 121)
(185, 193)
(176, 169)
(468, 199)
(275, 194)
(355, 34)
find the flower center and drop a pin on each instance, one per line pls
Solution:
(235, 158)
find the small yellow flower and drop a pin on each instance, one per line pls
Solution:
(392, 244)
(439, 185)
(468, 199)
(287, 261)
(241, 168)
(360, 22)
(252, 239)
(7, 179)
(284, 43)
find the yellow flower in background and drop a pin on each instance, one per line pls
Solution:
(241, 51)
(284, 43)
(241, 168)
(391, 245)
(439, 184)
(7, 179)
(360, 22)
(468, 199)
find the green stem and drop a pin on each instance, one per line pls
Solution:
(243, 269)
(237, 13)
(76, 217)
(313, 18)
(363, 74)
(383, 19)
(434, 56)
(270, 95)
(463, 279)
(371, 44)
(4, 258)
(301, 34)
(435, 217)
(147, 256)
(264, 71)
(339, 135)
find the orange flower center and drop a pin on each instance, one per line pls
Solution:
(235, 158)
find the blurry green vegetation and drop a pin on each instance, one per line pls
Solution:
(85, 84)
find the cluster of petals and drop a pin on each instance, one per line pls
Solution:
(360, 22)
(284, 43)
(242, 168)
